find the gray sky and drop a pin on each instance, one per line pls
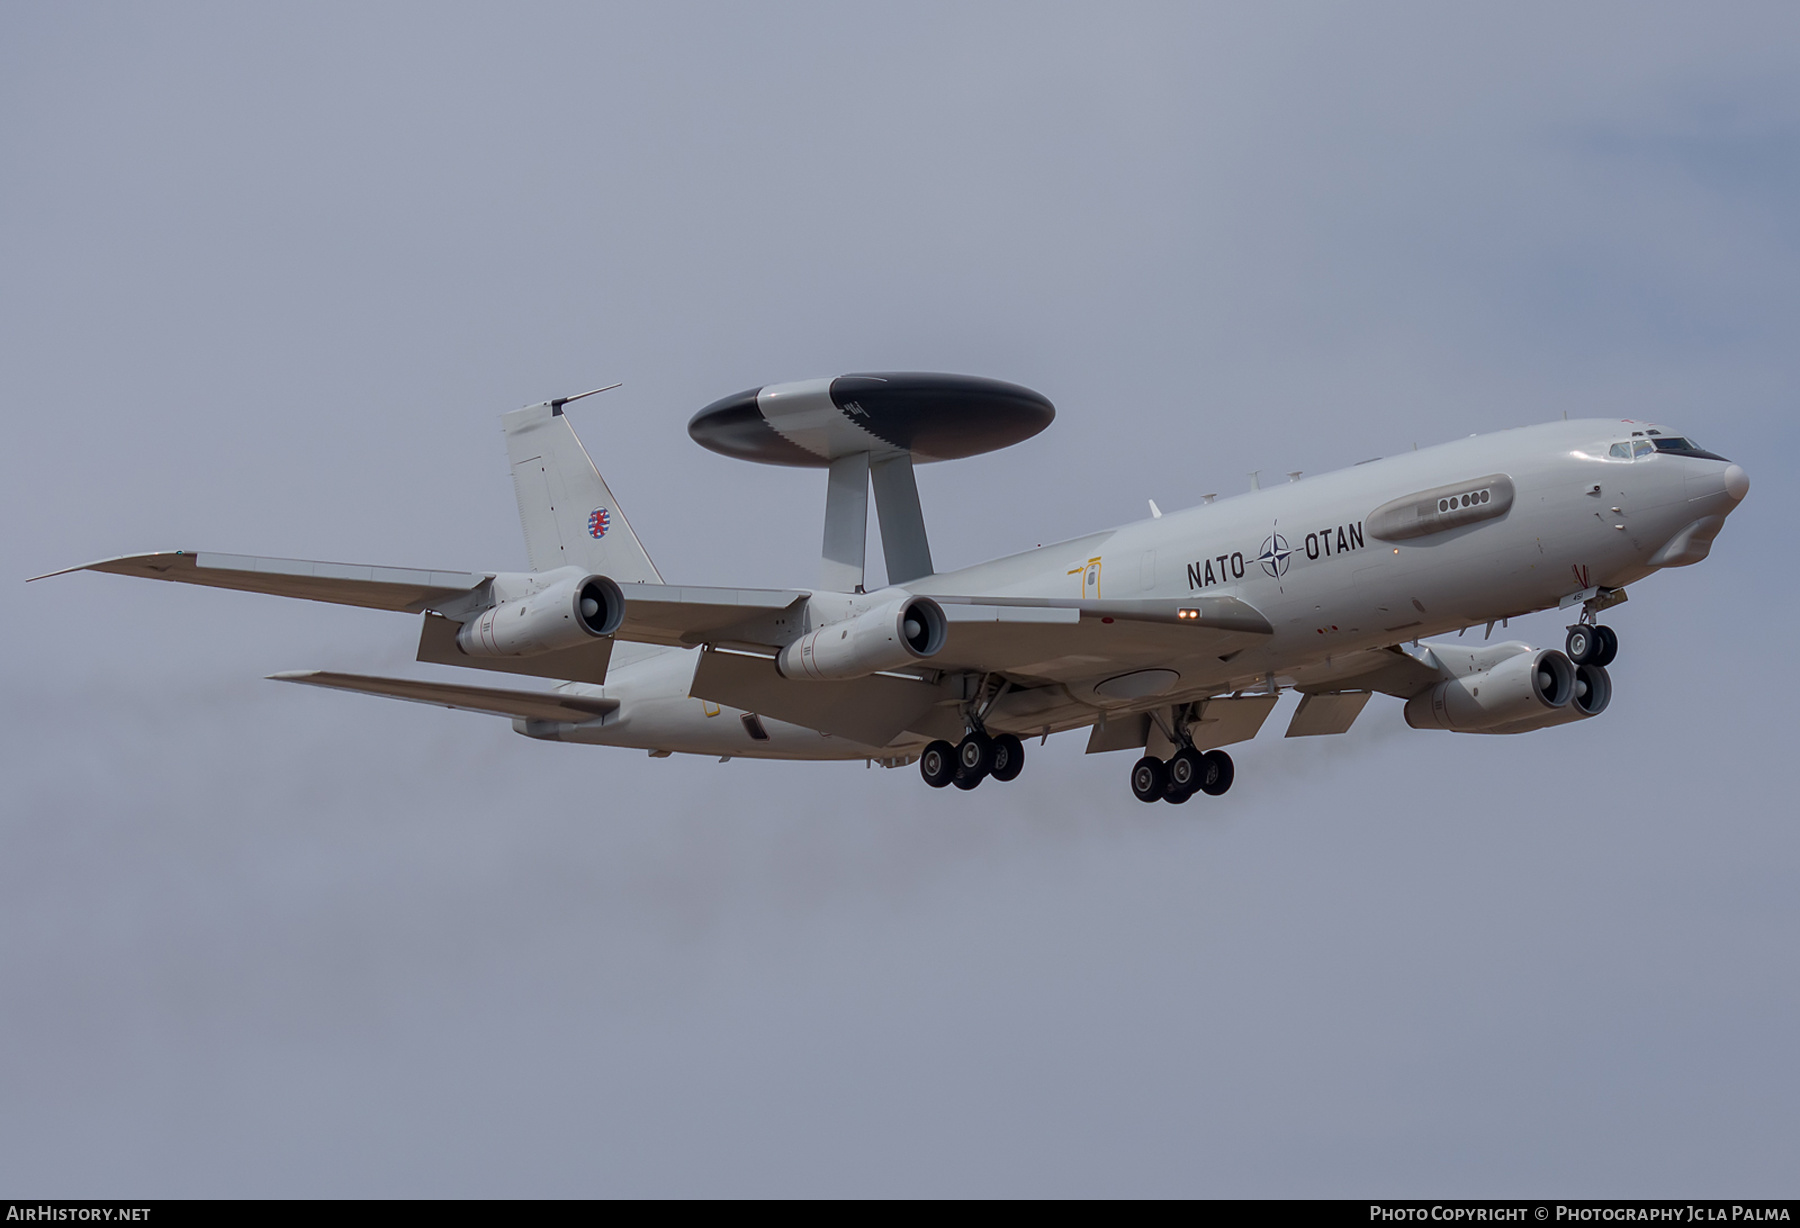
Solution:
(268, 278)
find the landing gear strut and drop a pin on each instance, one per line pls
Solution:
(1188, 771)
(980, 754)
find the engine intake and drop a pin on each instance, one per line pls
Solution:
(883, 638)
(1523, 692)
(1593, 691)
(566, 614)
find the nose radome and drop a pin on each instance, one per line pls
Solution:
(1737, 483)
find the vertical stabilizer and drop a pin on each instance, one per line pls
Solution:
(568, 513)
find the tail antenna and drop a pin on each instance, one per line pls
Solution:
(557, 403)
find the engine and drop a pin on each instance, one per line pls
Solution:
(566, 614)
(883, 638)
(1593, 691)
(1526, 691)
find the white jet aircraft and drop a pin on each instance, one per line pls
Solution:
(1172, 637)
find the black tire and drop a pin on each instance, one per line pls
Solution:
(938, 764)
(1186, 767)
(1009, 758)
(1584, 644)
(1149, 779)
(1216, 776)
(1177, 796)
(966, 782)
(1609, 646)
(975, 756)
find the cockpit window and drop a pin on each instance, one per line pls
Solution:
(1676, 445)
(1620, 451)
(1641, 447)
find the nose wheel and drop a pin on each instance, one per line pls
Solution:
(1592, 644)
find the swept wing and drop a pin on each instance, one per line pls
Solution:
(377, 588)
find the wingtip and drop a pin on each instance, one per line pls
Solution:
(100, 564)
(293, 675)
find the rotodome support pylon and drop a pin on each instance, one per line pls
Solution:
(870, 430)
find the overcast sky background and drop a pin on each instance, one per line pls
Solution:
(267, 279)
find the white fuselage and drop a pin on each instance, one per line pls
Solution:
(1302, 554)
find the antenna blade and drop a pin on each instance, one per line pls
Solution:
(559, 402)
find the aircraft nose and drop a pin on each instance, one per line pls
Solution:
(1737, 483)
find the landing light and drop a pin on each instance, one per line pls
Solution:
(1187, 615)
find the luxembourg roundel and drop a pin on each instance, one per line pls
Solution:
(599, 522)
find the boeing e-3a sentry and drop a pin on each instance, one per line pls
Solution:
(1172, 637)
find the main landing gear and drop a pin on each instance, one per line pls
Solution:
(972, 760)
(1592, 644)
(1186, 773)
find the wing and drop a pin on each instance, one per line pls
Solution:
(376, 588)
(655, 613)
(527, 705)
(684, 616)
(1047, 640)
(870, 710)
(1032, 642)
(588, 663)
(1392, 671)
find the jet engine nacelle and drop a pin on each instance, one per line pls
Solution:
(886, 637)
(566, 614)
(1593, 691)
(1525, 691)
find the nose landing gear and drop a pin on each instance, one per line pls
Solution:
(1592, 644)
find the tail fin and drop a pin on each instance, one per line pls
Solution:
(569, 515)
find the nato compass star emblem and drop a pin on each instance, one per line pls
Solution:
(599, 522)
(1275, 555)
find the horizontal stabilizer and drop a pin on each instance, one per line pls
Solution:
(375, 588)
(529, 705)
